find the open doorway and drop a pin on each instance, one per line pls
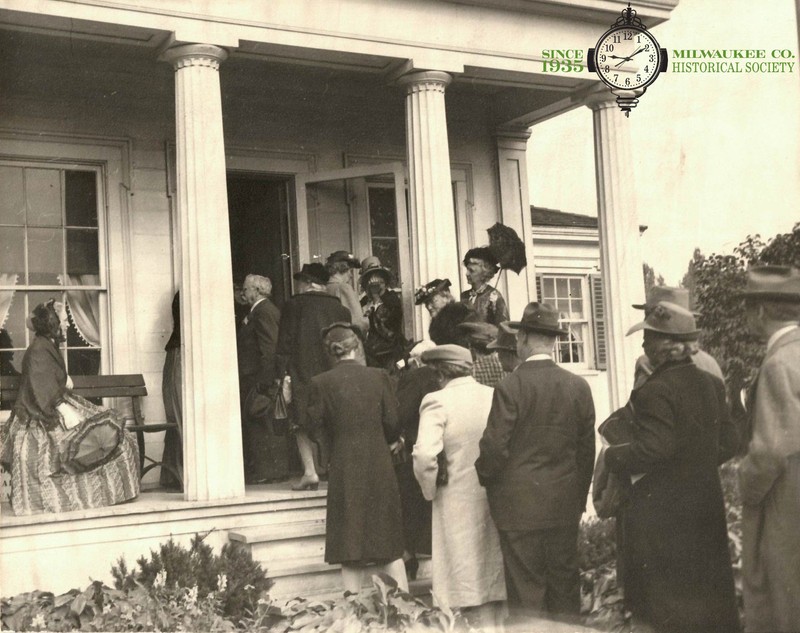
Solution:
(258, 211)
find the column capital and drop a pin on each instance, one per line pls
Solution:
(607, 99)
(194, 55)
(425, 80)
(512, 136)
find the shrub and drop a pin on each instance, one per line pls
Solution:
(234, 575)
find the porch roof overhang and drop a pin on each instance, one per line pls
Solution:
(493, 47)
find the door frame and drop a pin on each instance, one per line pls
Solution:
(396, 169)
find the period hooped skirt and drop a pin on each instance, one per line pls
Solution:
(40, 484)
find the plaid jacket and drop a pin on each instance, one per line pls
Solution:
(487, 370)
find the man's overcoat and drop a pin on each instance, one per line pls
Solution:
(769, 478)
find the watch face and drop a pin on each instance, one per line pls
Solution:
(627, 58)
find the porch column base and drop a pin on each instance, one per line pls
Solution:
(620, 250)
(212, 436)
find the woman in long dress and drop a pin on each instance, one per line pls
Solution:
(467, 561)
(357, 407)
(48, 424)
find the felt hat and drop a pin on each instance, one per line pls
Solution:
(313, 273)
(772, 283)
(483, 253)
(453, 354)
(343, 256)
(479, 333)
(671, 320)
(505, 340)
(678, 296)
(537, 317)
(338, 331)
(372, 266)
(424, 294)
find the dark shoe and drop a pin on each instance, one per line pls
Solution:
(306, 484)
(412, 566)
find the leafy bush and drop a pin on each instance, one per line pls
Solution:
(244, 579)
(383, 607)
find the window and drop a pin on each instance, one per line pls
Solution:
(383, 226)
(51, 247)
(579, 300)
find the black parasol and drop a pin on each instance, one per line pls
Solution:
(507, 248)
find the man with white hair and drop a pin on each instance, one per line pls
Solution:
(256, 340)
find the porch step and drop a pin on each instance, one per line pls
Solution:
(293, 553)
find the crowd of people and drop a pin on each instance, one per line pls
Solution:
(476, 448)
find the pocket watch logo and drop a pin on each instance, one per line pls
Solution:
(627, 58)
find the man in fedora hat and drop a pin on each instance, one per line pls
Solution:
(680, 297)
(486, 367)
(485, 299)
(769, 475)
(536, 461)
(301, 354)
(340, 265)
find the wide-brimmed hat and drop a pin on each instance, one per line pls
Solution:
(656, 294)
(772, 283)
(671, 320)
(424, 294)
(372, 266)
(505, 340)
(313, 273)
(453, 354)
(343, 256)
(479, 333)
(537, 317)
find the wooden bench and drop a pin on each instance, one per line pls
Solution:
(111, 386)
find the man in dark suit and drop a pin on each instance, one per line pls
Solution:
(536, 460)
(301, 354)
(256, 340)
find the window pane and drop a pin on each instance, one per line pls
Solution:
(80, 198)
(577, 309)
(382, 212)
(83, 362)
(575, 288)
(45, 253)
(15, 328)
(43, 192)
(10, 365)
(82, 254)
(12, 197)
(562, 288)
(74, 338)
(386, 251)
(562, 305)
(12, 252)
(548, 288)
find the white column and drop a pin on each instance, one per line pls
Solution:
(515, 211)
(620, 250)
(430, 184)
(212, 435)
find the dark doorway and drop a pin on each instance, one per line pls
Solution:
(258, 212)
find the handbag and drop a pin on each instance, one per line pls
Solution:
(610, 491)
(441, 475)
(282, 399)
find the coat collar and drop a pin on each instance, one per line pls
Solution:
(792, 336)
(457, 382)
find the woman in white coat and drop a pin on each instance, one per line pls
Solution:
(467, 561)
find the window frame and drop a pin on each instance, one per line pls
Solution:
(102, 254)
(586, 323)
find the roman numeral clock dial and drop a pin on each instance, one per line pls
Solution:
(628, 59)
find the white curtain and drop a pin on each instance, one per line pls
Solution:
(6, 296)
(84, 306)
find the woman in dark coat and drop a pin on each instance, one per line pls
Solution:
(678, 575)
(171, 385)
(357, 407)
